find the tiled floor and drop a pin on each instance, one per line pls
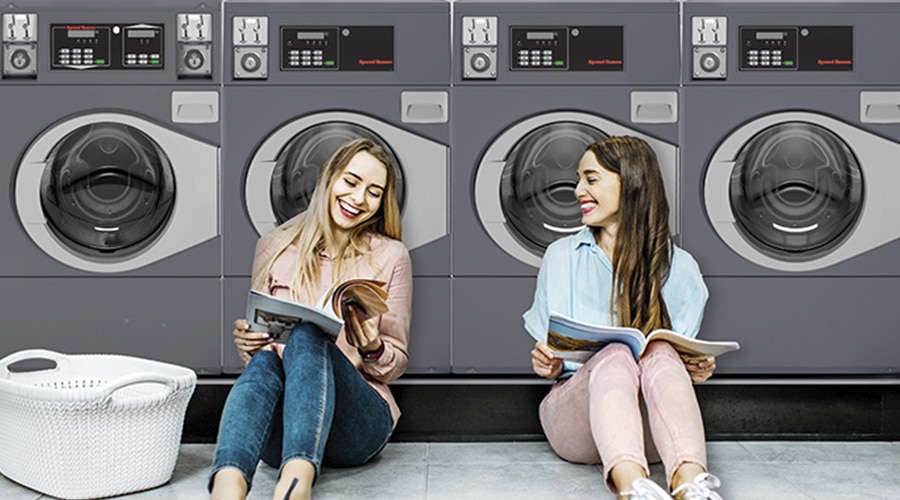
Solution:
(522, 471)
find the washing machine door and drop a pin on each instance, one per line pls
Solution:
(107, 188)
(799, 191)
(283, 172)
(525, 182)
(796, 190)
(100, 192)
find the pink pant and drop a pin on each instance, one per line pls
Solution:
(595, 416)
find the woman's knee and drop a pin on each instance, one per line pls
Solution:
(615, 358)
(662, 350)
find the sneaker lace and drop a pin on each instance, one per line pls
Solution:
(700, 489)
(645, 489)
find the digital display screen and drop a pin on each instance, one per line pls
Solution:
(141, 33)
(540, 35)
(770, 35)
(308, 35)
(82, 33)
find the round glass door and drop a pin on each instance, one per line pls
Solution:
(537, 187)
(299, 162)
(108, 188)
(796, 191)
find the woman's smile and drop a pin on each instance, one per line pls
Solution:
(348, 210)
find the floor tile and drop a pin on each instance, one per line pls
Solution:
(822, 451)
(743, 480)
(522, 481)
(846, 480)
(492, 453)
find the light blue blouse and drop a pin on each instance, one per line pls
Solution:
(576, 280)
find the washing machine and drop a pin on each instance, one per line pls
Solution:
(301, 78)
(534, 83)
(790, 139)
(110, 158)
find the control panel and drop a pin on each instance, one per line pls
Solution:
(305, 48)
(338, 48)
(540, 48)
(110, 46)
(797, 48)
(572, 48)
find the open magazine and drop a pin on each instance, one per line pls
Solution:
(575, 340)
(277, 316)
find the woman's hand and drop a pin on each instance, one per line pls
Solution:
(699, 368)
(361, 334)
(249, 342)
(544, 363)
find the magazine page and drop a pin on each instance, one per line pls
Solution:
(267, 313)
(366, 294)
(694, 347)
(577, 341)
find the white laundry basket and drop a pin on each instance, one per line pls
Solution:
(93, 426)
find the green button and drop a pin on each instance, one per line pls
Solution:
(789, 63)
(100, 61)
(329, 63)
(559, 63)
(154, 61)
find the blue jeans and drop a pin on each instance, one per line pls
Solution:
(313, 404)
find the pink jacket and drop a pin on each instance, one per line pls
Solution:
(388, 262)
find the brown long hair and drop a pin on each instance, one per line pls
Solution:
(311, 230)
(642, 252)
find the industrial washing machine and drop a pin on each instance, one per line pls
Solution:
(303, 77)
(109, 157)
(790, 140)
(534, 83)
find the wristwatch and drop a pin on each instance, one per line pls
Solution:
(372, 354)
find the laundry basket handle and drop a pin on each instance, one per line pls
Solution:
(138, 378)
(61, 360)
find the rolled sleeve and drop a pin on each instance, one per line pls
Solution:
(393, 326)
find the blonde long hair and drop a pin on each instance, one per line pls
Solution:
(642, 252)
(311, 230)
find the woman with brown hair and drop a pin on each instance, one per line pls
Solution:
(623, 269)
(311, 401)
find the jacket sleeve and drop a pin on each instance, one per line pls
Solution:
(394, 325)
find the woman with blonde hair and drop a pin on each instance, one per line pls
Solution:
(311, 401)
(623, 269)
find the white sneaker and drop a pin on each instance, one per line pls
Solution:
(701, 488)
(645, 489)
